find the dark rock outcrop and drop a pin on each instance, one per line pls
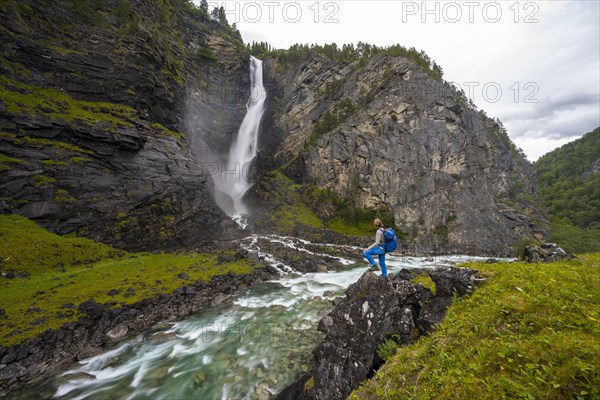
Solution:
(374, 310)
(547, 252)
(55, 349)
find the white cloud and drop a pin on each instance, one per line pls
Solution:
(538, 146)
(545, 51)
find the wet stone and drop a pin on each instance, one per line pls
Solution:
(199, 378)
(79, 375)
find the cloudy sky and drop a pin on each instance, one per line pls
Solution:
(533, 64)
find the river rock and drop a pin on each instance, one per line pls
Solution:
(262, 392)
(432, 314)
(199, 378)
(13, 372)
(117, 332)
(218, 299)
(79, 375)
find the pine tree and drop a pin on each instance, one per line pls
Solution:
(222, 16)
(204, 6)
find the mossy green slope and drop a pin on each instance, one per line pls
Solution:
(530, 332)
(297, 208)
(65, 271)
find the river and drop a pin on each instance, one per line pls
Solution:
(252, 345)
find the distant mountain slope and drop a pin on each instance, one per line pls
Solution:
(569, 184)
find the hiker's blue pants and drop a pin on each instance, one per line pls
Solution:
(377, 251)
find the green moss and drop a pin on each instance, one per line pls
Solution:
(57, 144)
(67, 269)
(352, 221)
(531, 332)
(43, 180)
(20, 98)
(4, 160)
(77, 160)
(203, 54)
(26, 247)
(62, 50)
(167, 131)
(309, 385)
(347, 228)
(121, 225)
(62, 196)
(290, 210)
(53, 163)
(294, 205)
(7, 135)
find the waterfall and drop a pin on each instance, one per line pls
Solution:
(234, 178)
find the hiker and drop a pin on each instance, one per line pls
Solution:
(377, 248)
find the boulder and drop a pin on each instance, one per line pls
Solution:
(547, 252)
(118, 332)
(92, 308)
(450, 280)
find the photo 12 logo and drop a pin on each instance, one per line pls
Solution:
(469, 11)
(231, 174)
(492, 92)
(276, 11)
(252, 332)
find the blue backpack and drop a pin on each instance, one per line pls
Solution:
(391, 241)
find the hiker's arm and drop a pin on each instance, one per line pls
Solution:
(377, 240)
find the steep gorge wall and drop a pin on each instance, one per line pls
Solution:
(386, 134)
(106, 111)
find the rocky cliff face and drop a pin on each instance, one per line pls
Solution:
(107, 109)
(386, 134)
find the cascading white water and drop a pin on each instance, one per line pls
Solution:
(234, 180)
